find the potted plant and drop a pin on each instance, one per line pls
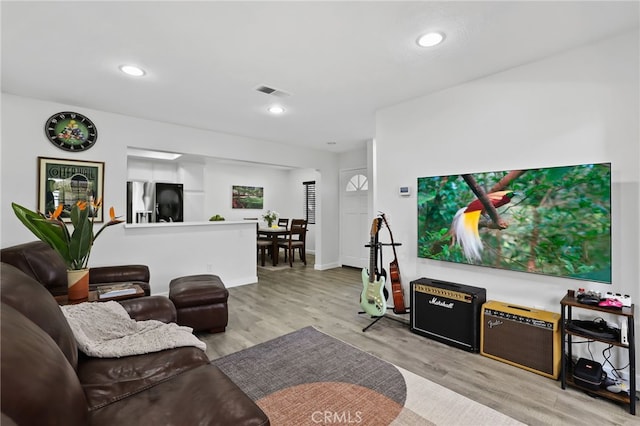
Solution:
(270, 216)
(74, 247)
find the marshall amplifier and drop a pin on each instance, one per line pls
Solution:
(447, 312)
(521, 336)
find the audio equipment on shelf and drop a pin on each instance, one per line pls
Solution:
(620, 394)
(524, 337)
(597, 328)
(447, 312)
(588, 374)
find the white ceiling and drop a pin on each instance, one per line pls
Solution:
(339, 61)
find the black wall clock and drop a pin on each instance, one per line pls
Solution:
(71, 131)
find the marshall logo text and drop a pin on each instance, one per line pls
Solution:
(435, 301)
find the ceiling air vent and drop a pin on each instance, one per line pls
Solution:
(271, 91)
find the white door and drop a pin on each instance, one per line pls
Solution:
(354, 218)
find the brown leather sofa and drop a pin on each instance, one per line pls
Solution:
(45, 380)
(41, 262)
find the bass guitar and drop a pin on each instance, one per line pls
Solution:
(394, 273)
(372, 299)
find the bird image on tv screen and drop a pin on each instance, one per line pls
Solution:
(553, 221)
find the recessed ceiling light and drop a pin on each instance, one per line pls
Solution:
(132, 70)
(331, 143)
(276, 109)
(430, 39)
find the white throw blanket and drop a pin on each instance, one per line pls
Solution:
(105, 330)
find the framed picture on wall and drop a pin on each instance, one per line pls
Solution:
(68, 181)
(247, 197)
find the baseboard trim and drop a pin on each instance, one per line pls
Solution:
(326, 266)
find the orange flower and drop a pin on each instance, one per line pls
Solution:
(57, 213)
(82, 205)
(112, 213)
(97, 204)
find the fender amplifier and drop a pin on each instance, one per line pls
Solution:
(521, 336)
(447, 312)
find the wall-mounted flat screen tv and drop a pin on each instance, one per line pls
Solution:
(553, 220)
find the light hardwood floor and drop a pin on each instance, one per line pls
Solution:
(287, 300)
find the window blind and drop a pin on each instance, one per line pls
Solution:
(310, 201)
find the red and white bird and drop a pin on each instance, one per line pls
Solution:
(464, 227)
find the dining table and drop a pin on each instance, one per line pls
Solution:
(273, 233)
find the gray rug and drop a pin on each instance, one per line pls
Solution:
(310, 378)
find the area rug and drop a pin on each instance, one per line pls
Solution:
(268, 266)
(309, 378)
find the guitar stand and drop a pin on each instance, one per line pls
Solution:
(376, 319)
(378, 247)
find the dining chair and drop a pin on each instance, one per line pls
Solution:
(263, 245)
(283, 223)
(260, 238)
(296, 239)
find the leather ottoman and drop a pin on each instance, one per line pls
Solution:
(201, 302)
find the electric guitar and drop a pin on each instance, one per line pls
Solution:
(372, 298)
(394, 272)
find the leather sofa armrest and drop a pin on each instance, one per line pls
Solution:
(138, 274)
(116, 274)
(158, 308)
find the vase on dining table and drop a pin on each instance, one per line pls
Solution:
(269, 223)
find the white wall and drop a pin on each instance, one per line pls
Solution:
(283, 191)
(573, 108)
(354, 159)
(23, 140)
(220, 178)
